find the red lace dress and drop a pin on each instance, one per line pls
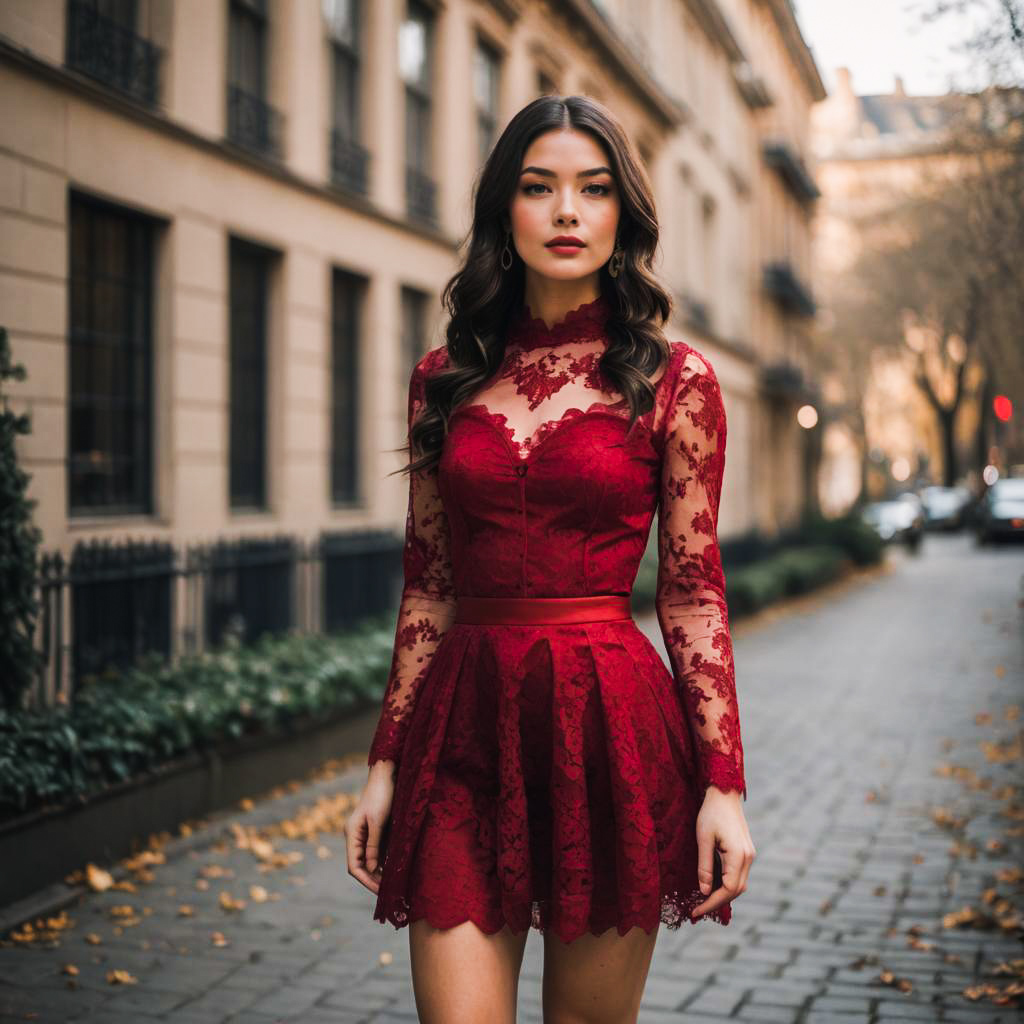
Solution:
(550, 775)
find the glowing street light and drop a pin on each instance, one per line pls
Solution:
(807, 416)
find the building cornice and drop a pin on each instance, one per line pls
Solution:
(789, 29)
(628, 69)
(709, 16)
(87, 90)
(510, 10)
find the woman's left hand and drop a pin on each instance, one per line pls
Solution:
(721, 824)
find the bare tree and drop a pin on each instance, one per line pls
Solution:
(988, 131)
(941, 269)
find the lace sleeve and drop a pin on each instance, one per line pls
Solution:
(690, 600)
(427, 607)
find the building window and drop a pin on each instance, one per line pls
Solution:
(414, 318)
(486, 76)
(102, 41)
(250, 268)
(110, 359)
(415, 60)
(344, 30)
(346, 318)
(252, 122)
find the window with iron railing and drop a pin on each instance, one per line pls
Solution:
(252, 122)
(103, 42)
(349, 158)
(110, 359)
(415, 56)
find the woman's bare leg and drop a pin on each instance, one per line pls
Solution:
(462, 975)
(596, 979)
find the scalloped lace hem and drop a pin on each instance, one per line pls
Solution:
(675, 908)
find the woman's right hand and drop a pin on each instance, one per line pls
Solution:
(365, 825)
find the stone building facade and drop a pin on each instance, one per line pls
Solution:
(226, 226)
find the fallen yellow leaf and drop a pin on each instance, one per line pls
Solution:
(97, 879)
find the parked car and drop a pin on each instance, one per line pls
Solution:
(1001, 510)
(945, 508)
(897, 521)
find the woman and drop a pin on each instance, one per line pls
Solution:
(535, 763)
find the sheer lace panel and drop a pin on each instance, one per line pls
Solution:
(549, 375)
(427, 608)
(691, 584)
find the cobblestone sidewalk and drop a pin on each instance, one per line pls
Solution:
(884, 770)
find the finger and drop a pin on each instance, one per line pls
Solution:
(730, 887)
(351, 831)
(372, 883)
(355, 829)
(355, 838)
(372, 844)
(748, 863)
(721, 895)
(705, 861)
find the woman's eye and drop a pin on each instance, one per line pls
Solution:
(605, 189)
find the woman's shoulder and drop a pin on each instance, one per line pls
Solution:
(431, 362)
(690, 361)
(687, 367)
(695, 388)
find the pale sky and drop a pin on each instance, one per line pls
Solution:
(878, 39)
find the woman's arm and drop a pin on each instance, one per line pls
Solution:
(427, 606)
(691, 584)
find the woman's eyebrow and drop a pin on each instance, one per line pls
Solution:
(551, 174)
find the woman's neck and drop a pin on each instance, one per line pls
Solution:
(552, 306)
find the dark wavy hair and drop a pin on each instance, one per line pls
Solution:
(482, 298)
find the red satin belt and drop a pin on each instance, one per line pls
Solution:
(532, 611)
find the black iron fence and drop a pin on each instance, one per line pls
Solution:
(110, 603)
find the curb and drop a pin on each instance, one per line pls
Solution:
(268, 808)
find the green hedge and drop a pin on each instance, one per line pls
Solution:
(857, 539)
(792, 571)
(125, 724)
(812, 557)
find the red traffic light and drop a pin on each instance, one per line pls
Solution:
(1002, 407)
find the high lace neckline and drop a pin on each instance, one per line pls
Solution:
(584, 323)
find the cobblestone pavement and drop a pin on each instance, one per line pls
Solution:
(877, 801)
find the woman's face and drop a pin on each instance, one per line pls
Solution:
(565, 188)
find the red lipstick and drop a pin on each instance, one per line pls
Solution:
(565, 244)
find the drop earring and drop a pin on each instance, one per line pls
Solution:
(506, 252)
(616, 263)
